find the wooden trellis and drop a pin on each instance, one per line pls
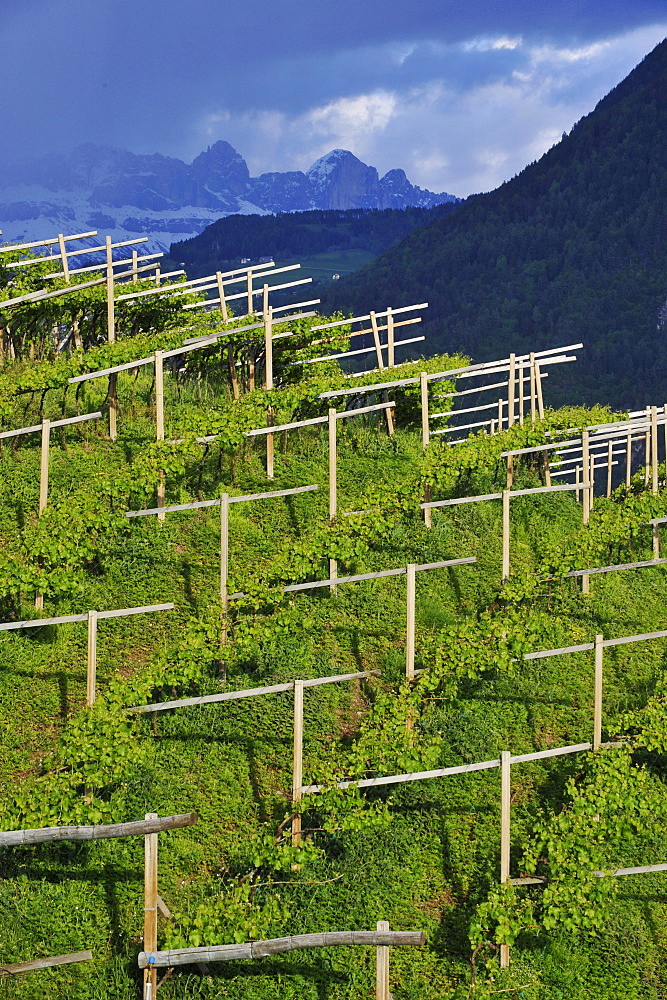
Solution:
(223, 502)
(149, 828)
(92, 618)
(505, 496)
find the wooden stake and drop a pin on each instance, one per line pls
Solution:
(647, 453)
(538, 387)
(505, 798)
(268, 344)
(532, 388)
(221, 296)
(427, 510)
(113, 406)
(376, 339)
(333, 497)
(500, 414)
(511, 391)
(628, 462)
(135, 264)
(111, 338)
(547, 470)
(63, 257)
(610, 453)
(150, 908)
(410, 623)
(382, 966)
(157, 275)
(426, 430)
(585, 466)
(654, 449)
(249, 291)
(390, 338)
(269, 445)
(44, 466)
(509, 478)
(224, 552)
(297, 765)
(506, 535)
(597, 703)
(521, 392)
(91, 669)
(591, 480)
(656, 541)
(159, 422)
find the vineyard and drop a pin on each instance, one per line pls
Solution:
(309, 659)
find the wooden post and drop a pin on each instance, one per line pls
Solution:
(249, 290)
(224, 551)
(538, 387)
(500, 414)
(597, 704)
(654, 449)
(656, 541)
(647, 451)
(159, 422)
(150, 908)
(510, 472)
(382, 966)
(135, 264)
(111, 339)
(333, 498)
(390, 338)
(610, 455)
(427, 510)
(265, 299)
(591, 480)
(628, 461)
(426, 430)
(410, 623)
(521, 392)
(505, 798)
(268, 346)
(547, 469)
(91, 669)
(511, 391)
(44, 466)
(577, 479)
(157, 275)
(506, 535)
(532, 388)
(63, 256)
(268, 375)
(376, 339)
(111, 319)
(585, 466)
(221, 295)
(269, 445)
(297, 765)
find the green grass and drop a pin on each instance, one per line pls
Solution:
(231, 762)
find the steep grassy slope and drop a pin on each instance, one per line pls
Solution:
(422, 855)
(571, 249)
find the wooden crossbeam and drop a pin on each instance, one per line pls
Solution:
(277, 946)
(19, 968)
(135, 828)
(443, 772)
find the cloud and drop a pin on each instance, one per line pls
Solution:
(450, 131)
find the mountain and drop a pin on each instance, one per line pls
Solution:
(125, 194)
(572, 249)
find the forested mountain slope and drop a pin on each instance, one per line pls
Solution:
(300, 234)
(573, 248)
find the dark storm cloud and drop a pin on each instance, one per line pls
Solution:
(282, 81)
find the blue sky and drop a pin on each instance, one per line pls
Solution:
(461, 95)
